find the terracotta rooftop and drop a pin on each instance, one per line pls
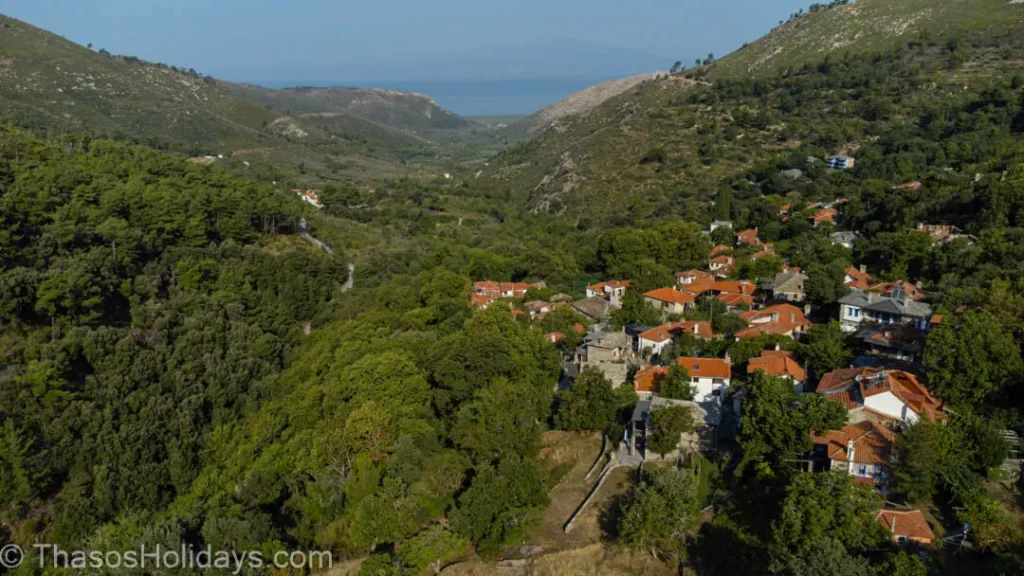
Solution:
(671, 296)
(908, 523)
(706, 367)
(872, 443)
(649, 379)
(860, 280)
(778, 363)
(670, 330)
(860, 383)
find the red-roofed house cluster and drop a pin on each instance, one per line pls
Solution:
(487, 291)
(311, 197)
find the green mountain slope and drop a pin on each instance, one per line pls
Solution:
(403, 110)
(668, 146)
(866, 25)
(48, 81)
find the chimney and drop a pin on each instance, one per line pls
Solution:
(777, 347)
(792, 318)
(893, 528)
(807, 309)
(850, 454)
(863, 268)
(728, 359)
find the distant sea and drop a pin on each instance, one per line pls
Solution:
(488, 97)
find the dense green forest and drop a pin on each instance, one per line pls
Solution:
(158, 385)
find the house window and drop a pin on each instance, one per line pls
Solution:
(901, 539)
(695, 380)
(862, 470)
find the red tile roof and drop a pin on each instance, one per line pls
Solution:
(670, 330)
(748, 237)
(907, 523)
(649, 379)
(825, 215)
(860, 280)
(696, 275)
(886, 289)
(734, 287)
(872, 443)
(732, 300)
(778, 363)
(554, 336)
(706, 367)
(480, 301)
(868, 382)
(719, 249)
(613, 284)
(671, 296)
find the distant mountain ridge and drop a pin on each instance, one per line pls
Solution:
(403, 110)
(582, 101)
(48, 82)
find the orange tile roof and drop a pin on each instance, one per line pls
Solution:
(886, 289)
(826, 215)
(613, 284)
(554, 336)
(783, 312)
(659, 334)
(706, 367)
(671, 296)
(861, 280)
(670, 330)
(912, 186)
(734, 287)
(732, 300)
(784, 209)
(724, 260)
(649, 379)
(872, 443)
(908, 523)
(748, 237)
(480, 300)
(843, 378)
(778, 363)
(868, 382)
(719, 249)
(762, 254)
(696, 275)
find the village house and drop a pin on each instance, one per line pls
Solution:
(733, 293)
(719, 224)
(641, 425)
(871, 394)
(779, 363)
(311, 197)
(487, 291)
(537, 309)
(710, 377)
(611, 290)
(721, 265)
(720, 249)
(788, 285)
(670, 300)
(862, 450)
(780, 319)
(859, 308)
(594, 308)
(657, 338)
(823, 215)
(647, 381)
(609, 352)
(913, 290)
(841, 162)
(769, 250)
(748, 238)
(906, 526)
(690, 277)
(859, 278)
(944, 233)
(845, 238)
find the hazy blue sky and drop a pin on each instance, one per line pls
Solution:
(283, 41)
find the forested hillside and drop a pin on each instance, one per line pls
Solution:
(670, 146)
